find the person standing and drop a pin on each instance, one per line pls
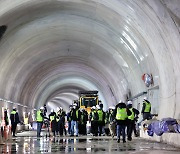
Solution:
(83, 122)
(40, 119)
(14, 117)
(131, 120)
(75, 117)
(52, 119)
(146, 109)
(121, 114)
(111, 122)
(101, 119)
(69, 119)
(93, 117)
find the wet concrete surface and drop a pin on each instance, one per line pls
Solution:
(83, 144)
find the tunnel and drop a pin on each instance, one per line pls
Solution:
(52, 49)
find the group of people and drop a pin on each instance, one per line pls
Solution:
(117, 118)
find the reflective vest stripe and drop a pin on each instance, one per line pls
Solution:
(147, 107)
(131, 117)
(77, 114)
(121, 114)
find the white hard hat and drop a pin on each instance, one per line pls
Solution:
(41, 108)
(120, 101)
(145, 98)
(112, 107)
(52, 110)
(74, 104)
(93, 107)
(97, 106)
(129, 102)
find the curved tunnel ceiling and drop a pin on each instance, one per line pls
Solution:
(53, 48)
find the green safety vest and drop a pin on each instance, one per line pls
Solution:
(39, 117)
(147, 107)
(100, 114)
(131, 117)
(13, 112)
(93, 115)
(52, 117)
(121, 114)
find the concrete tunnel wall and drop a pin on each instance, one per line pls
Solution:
(53, 49)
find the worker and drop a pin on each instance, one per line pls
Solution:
(40, 119)
(101, 119)
(69, 119)
(111, 123)
(93, 117)
(121, 114)
(6, 119)
(14, 117)
(83, 122)
(146, 109)
(75, 117)
(52, 119)
(131, 120)
(61, 121)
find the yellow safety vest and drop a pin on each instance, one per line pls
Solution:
(121, 114)
(147, 107)
(131, 117)
(52, 117)
(39, 117)
(13, 112)
(100, 114)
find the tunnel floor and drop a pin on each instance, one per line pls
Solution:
(26, 142)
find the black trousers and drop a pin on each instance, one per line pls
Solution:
(130, 128)
(94, 128)
(13, 128)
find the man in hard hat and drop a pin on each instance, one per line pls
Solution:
(121, 114)
(110, 120)
(40, 119)
(101, 119)
(146, 109)
(52, 119)
(14, 117)
(131, 120)
(75, 117)
(94, 121)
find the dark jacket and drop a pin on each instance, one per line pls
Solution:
(14, 118)
(73, 115)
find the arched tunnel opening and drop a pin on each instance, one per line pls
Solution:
(51, 50)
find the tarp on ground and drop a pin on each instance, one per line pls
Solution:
(165, 125)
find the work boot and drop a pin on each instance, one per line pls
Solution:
(124, 141)
(118, 140)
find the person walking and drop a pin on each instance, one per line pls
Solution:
(131, 120)
(40, 119)
(121, 114)
(14, 117)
